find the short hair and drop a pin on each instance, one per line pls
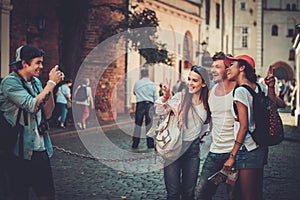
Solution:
(26, 53)
(220, 56)
(144, 73)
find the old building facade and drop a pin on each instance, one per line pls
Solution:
(76, 35)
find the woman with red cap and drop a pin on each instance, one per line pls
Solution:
(247, 156)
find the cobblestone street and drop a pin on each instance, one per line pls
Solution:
(80, 177)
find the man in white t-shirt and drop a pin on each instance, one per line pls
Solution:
(222, 132)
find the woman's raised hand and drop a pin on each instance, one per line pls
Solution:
(270, 79)
(166, 88)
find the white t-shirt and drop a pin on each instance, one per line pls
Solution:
(195, 123)
(222, 122)
(195, 120)
(242, 95)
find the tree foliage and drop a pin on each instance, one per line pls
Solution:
(142, 31)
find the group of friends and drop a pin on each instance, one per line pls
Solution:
(196, 105)
(232, 147)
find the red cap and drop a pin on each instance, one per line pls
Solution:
(246, 58)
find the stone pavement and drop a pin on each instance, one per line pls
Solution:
(81, 176)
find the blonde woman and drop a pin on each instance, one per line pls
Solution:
(83, 106)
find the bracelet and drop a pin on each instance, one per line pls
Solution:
(232, 155)
(238, 143)
(52, 82)
(165, 97)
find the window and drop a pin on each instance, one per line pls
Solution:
(274, 30)
(288, 6)
(291, 22)
(242, 36)
(243, 6)
(217, 15)
(188, 49)
(294, 7)
(198, 2)
(290, 33)
(292, 55)
(207, 11)
(245, 36)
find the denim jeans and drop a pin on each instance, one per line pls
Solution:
(144, 109)
(181, 175)
(213, 163)
(62, 111)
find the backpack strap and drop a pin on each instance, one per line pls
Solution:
(250, 90)
(21, 137)
(234, 105)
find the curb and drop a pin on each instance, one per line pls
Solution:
(73, 130)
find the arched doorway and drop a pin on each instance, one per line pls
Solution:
(283, 70)
(188, 50)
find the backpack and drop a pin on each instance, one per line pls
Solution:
(9, 134)
(268, 124)
(81, 94)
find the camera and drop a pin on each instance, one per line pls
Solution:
(43, 127)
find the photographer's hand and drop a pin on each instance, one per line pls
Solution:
(55, 76)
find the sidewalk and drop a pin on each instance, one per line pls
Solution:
(122, 119)
(80, 178)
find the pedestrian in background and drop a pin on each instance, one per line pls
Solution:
(160, 92)
(293, 96)
(83, 105)
(220, 101)
(21, 89)
(146, 93)
(283, 89)
(191, 106)
(63, 97)
(246, 156)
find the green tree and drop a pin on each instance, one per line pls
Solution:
(142, 28)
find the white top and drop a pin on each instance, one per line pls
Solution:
(242, 95)
(222, 131)
(195, 120)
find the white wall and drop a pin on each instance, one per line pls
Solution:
(276, 48)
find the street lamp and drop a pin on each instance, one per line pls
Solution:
(204, 45)
(206, 59)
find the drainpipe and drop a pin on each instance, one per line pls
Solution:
(262, 35)
(233, 24)
(222, 26)
(127, 86)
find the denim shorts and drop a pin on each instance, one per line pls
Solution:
(256, 158)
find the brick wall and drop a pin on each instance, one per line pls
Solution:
(105, 72)
(107, 78)
(24, 29)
